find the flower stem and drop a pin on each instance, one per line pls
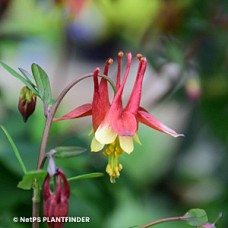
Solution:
(35, 203)
(178, 218)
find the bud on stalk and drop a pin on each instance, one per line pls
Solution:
(27, 103)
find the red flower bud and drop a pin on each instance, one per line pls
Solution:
(27, 103)
(56, 202)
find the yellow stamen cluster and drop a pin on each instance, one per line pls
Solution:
(113, 152)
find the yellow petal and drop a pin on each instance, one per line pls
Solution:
(126, 143)
(136, 138)
(96, 146)
(105, 134)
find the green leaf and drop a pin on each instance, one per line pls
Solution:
(21, 78)
(15, 150)
(42, 83)
(195, 217)
(68, 152)
(86, 176)
(28, 76)
(27, 181)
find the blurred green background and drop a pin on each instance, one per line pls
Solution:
(186, 87)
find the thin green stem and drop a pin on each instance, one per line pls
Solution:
(178, 218)
(35, 203)
(15, 150)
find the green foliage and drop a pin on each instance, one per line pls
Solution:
(42, 83)
(15, 150)
(28, 76)
(86, 176)
(68, 152)
(27, 182)
(40, 87)
(196, 217)
(28, 83)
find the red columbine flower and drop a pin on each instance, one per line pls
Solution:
(114, 125)
(120, 125)
(56, 203)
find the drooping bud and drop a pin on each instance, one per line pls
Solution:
(56, 201)
(27, 103)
